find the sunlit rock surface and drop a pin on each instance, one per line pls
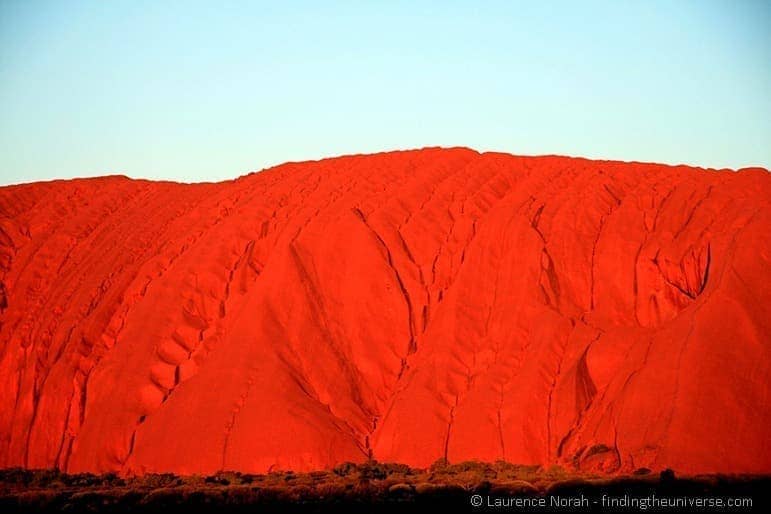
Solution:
(407, 307)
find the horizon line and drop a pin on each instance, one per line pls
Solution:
(119, 174)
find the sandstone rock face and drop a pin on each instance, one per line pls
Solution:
(407, 306)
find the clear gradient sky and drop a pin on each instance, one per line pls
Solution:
(194, 91)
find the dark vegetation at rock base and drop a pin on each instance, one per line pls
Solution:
(349, 487)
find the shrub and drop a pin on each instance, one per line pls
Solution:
(17, 476)
(667, 475)
(439, 464)
(372, 470)
(156, 480)
(344, 469)
(45, 477)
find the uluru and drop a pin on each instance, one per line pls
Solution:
(409, 306)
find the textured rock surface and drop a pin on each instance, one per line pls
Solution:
(407, 306)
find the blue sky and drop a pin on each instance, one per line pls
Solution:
(195, 91)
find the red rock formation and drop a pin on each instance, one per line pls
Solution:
(407, 306)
